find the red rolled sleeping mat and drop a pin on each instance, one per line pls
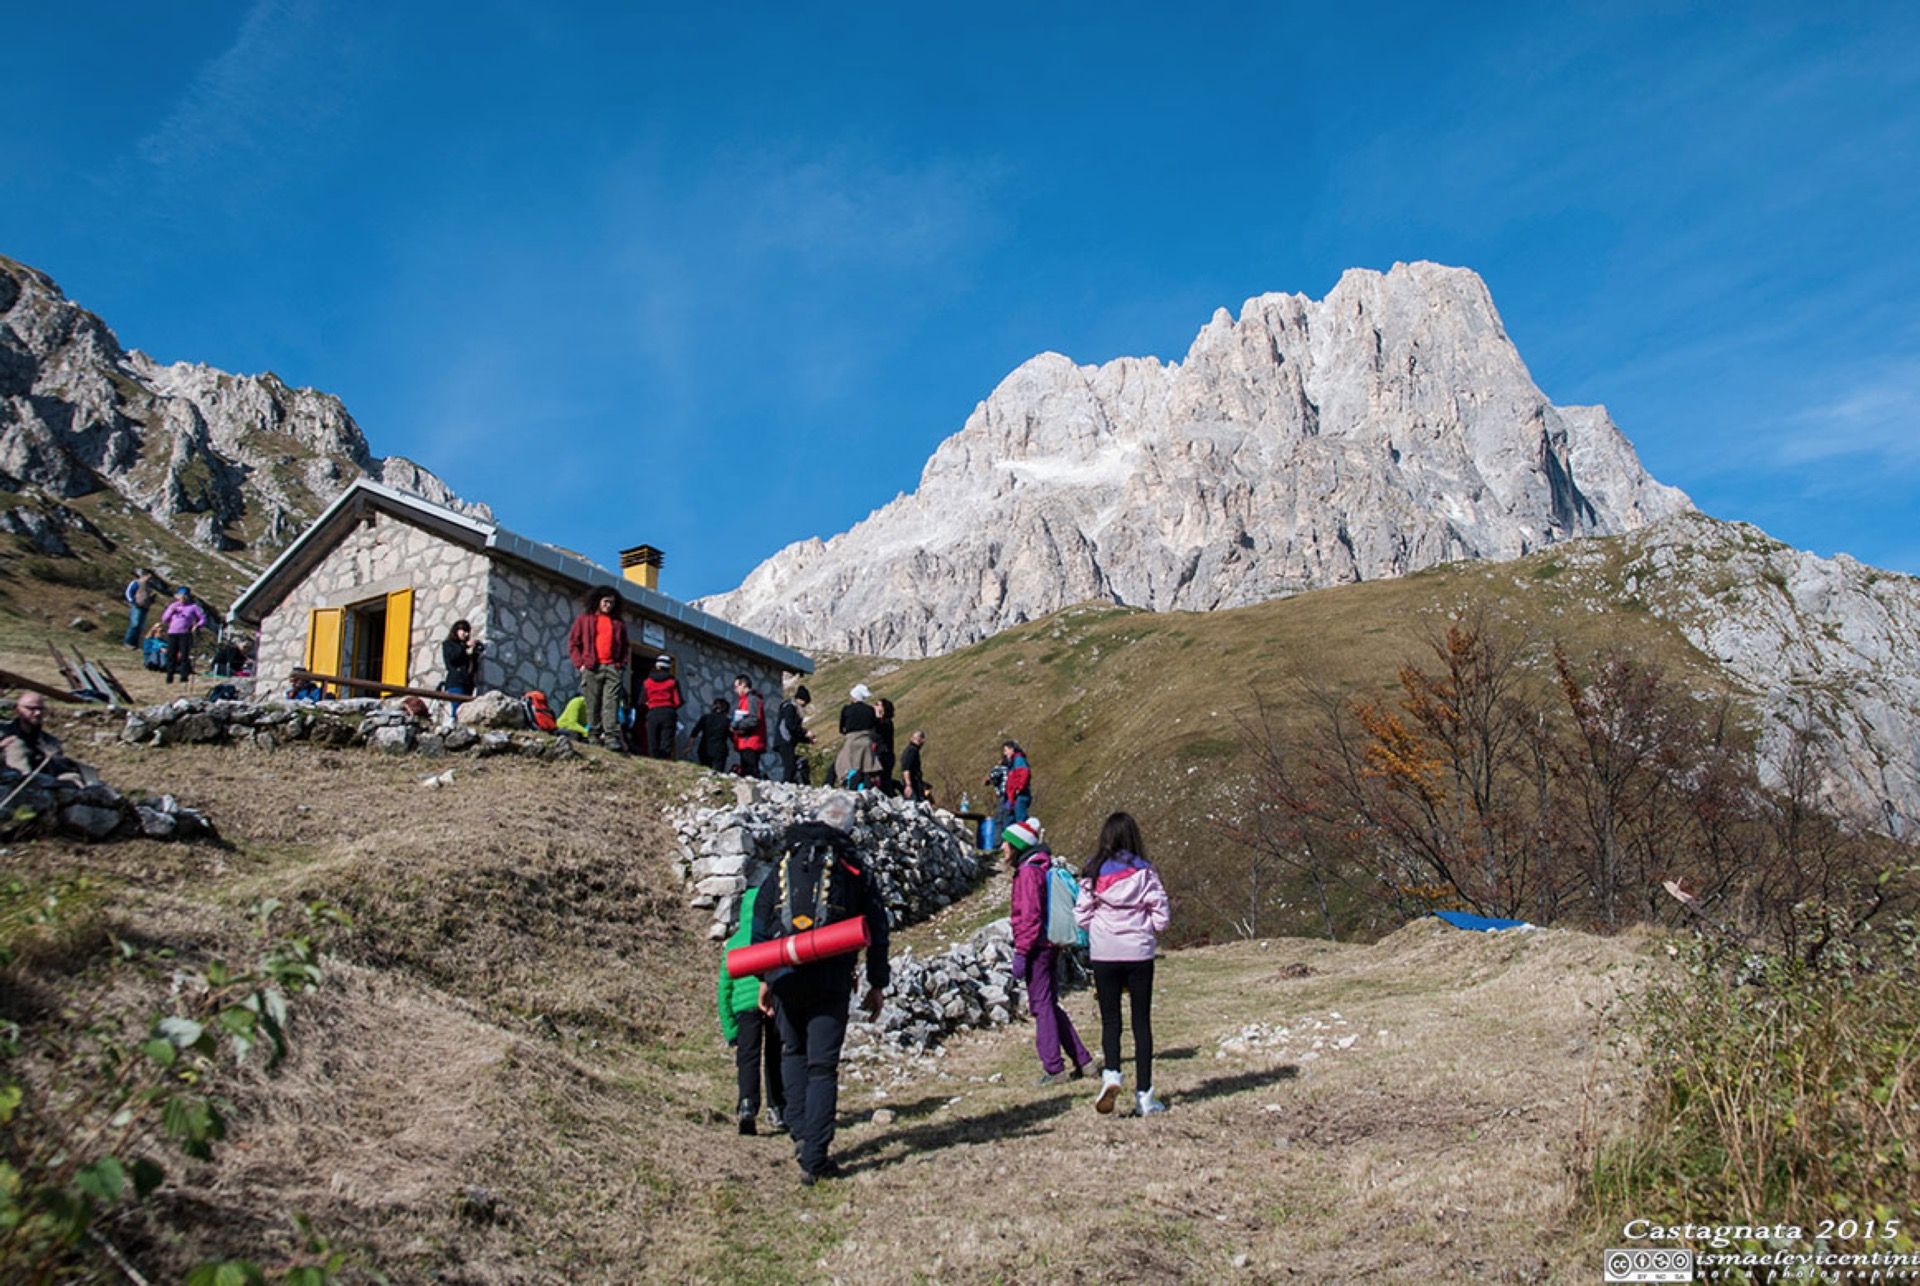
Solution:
(840, 938)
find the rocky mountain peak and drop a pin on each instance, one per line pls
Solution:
(1387, 427)
(235, 463)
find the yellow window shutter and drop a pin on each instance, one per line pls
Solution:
(323, 639)
(398, 647)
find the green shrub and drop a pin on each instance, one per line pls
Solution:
(94, 1106)
(1780, 1091)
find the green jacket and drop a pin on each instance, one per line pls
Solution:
(574, 717)
(737, 995)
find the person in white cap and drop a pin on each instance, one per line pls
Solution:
(858, 763)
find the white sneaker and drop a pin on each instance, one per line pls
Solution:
(1109, 1092)
(1145, 1104)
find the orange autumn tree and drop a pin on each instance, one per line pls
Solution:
(1451, 790)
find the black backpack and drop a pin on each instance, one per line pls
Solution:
(818, 884)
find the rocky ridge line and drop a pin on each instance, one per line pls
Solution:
(1385, 428)
(237, 464)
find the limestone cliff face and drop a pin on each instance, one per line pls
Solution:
(1385, 428)
(1830, 645)
(235, 463)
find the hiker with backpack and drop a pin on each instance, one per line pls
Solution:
(660, 693)
(755, 1041)
(790, 732)
(1123, 907)
(1039, 931)
(139, 595)
(819, 880)
(749, 724)
(597, 646)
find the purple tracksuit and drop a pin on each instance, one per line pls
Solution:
(1053, 1033)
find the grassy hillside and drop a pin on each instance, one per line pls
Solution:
(511, 1072)
(1121, 709)
(42, 594)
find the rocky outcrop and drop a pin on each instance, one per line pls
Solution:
(1830, 646)
(96, 812)
(1385, 428)
(234, 463)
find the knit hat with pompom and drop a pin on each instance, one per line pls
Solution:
(1024, 835)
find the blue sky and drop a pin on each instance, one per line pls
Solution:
(588, 261)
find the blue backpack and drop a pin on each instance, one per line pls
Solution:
(1063, 890)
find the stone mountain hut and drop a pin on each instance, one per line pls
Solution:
(372, 587)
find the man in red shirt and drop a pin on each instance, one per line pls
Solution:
(661, 696)
(597, 646)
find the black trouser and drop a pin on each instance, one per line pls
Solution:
(813, 1023)
(661, 732)
(1136, 976)
(755, 1040)
(714, 757)
(179, 656)
(750, 763)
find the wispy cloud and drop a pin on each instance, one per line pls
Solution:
(842, 206)
(239, 91)
(1878, 418)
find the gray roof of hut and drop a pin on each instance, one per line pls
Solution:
(313, 544)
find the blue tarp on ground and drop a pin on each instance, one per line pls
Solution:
(1479, 923)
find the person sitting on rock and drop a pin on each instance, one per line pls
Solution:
(153, 648)
(26, 747)
(573, 719)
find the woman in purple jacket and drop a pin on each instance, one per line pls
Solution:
(1025, 848)
(1123, 907)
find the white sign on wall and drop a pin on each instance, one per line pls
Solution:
(652, 635)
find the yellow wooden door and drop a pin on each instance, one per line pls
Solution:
(323, 641)
(398, 646)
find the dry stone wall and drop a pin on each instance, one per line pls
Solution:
(920, 857)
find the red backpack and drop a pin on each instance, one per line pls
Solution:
(539, 713)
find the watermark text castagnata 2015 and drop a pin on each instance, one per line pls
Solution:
(1776, 1252)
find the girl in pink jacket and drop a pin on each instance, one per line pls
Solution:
(1123, 907)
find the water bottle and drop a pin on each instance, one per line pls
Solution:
(966, 802)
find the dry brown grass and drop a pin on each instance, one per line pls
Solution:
(514, 1075)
